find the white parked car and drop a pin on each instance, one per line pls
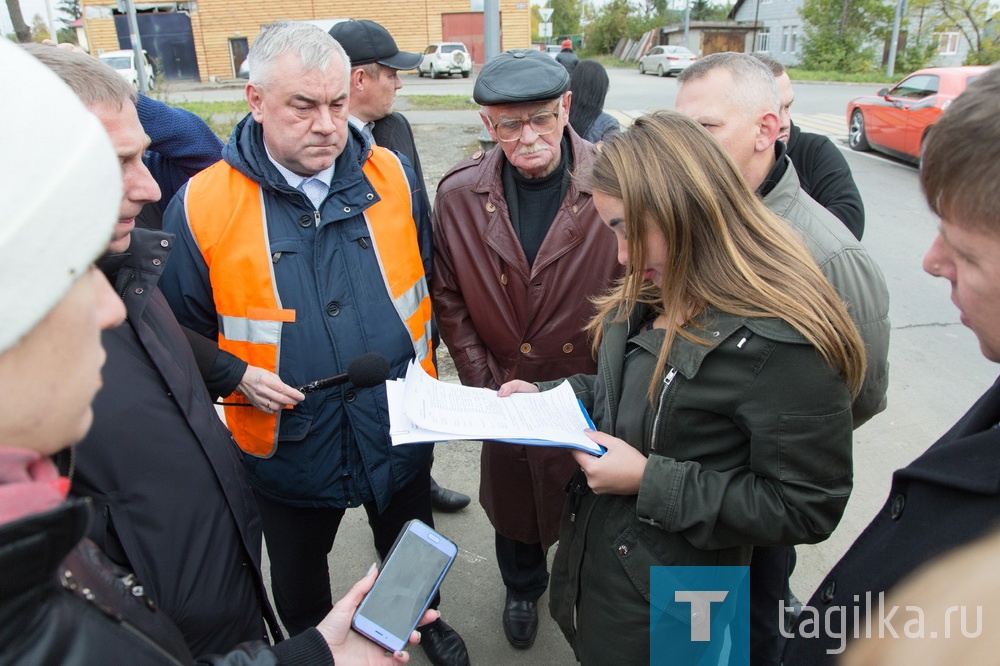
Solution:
(445, 59)
(666, 60)
(553, 50)
(123, 62)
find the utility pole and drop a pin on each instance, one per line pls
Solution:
(137, 53)
(687, 23)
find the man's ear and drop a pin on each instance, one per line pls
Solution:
(768, 127)
(254, 101)
(358, 77)
(567, 98)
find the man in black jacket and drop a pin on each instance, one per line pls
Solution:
(823, 172)
(375, 65)
(566, 57)
(950, 494)
(171, 501)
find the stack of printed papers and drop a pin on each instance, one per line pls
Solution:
(423, 409)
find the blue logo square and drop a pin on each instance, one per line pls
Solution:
(699, 616)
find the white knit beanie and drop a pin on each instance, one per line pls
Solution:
(60, 191)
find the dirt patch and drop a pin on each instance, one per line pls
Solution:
(441, 147)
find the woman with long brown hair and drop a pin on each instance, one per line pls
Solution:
(727, 366)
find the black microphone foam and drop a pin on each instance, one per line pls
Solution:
(368, 370)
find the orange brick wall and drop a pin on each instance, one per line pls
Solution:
(413, 23)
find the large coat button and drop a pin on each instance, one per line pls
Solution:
(898, 503)
(333, 309)
(525, 348)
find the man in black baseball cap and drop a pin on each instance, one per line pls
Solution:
(519, 250)
(375, 61)
(366, 42)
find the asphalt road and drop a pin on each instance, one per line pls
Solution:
(936, 369)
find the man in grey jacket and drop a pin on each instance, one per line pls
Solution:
(735, 97)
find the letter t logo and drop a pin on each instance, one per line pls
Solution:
(701, 610)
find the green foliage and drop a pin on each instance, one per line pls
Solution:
(977, 21)
(610, 25)
(838, 33)
(916, 56)
(871, 76)
(703, 10)
(71, 9)
(68, 35)
(39, 29)
(566, 16)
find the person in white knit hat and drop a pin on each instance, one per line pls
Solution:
(61, 601)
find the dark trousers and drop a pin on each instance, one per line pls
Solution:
(770, 569)
(523, 568)
(299, 541)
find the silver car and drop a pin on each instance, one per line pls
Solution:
(666, 60)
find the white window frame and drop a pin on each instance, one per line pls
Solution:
(763, 40)
(947, 42)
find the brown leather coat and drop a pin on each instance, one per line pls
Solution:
(503, 320)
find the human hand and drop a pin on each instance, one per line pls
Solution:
(65, 46)
(516, 386)
(266, 391)
(349, 647)
(618, 471)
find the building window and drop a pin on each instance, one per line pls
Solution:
(947, 43)
(792, 41)
(784, 39)
(763, 40)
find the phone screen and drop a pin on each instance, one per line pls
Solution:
(404, 587)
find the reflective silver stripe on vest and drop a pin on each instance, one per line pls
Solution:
(255, 331)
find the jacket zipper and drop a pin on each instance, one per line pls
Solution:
(659, 410)
(317, 217)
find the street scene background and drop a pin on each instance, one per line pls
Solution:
(936, 369)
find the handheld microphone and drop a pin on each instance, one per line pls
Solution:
(365, 371)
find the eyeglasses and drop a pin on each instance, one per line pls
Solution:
(541, 124)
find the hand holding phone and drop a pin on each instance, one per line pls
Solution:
(409, 578)
(349, 647)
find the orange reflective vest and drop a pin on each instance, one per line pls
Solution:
(226, 213)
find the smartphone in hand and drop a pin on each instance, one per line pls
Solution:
(408, 579)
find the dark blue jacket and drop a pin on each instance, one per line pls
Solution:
(334, 448)
(947, 497)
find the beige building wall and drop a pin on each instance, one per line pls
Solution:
(413, 23)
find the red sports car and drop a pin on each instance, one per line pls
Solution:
(895, 120)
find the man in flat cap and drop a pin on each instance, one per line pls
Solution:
(519, 251)
(375, 65)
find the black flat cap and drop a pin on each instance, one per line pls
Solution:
(520, 76)
(366, 42)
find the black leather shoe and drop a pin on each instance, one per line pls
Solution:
(442, 644)
(447, 500)
(520, 622)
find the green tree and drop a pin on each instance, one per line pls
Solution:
(70, 9)
(39, 29)
(703, 10)
(608, 26)
(566, 16)
(978, 24)
(838, 33)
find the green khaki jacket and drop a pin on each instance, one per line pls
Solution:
(749, 443)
